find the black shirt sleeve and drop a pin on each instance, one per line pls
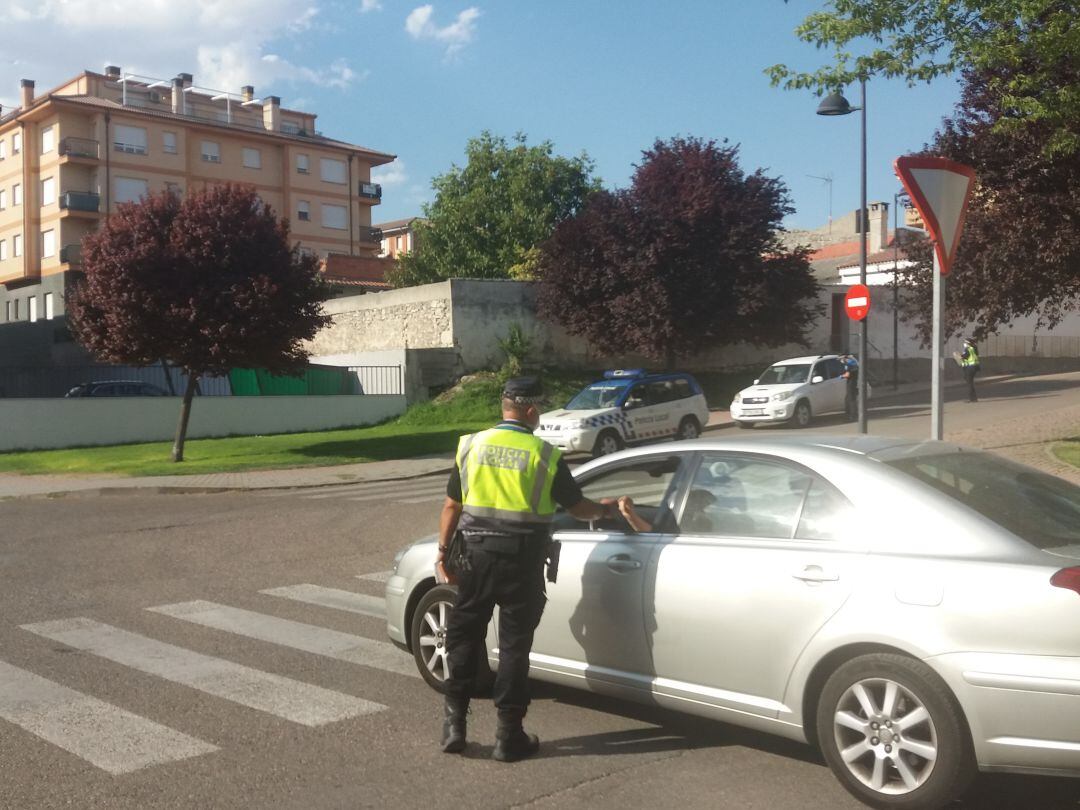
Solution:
(565, 489)
(453, 486)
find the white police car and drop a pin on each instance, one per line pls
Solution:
(629, 406)
(794, 390)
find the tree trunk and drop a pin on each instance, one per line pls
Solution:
(185, 413)
(168, 378)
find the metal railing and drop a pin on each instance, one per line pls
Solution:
(79, 147)
(80, 201)
(56, 381)
(71, 254)
(380, 379)
(371, 235)
(372, 191)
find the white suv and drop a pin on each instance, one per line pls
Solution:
(793, 390)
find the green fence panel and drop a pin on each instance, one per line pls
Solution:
(315, 381)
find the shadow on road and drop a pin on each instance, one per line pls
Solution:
(676, 731)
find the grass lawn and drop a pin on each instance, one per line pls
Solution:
(1068, 451)
(426, 428)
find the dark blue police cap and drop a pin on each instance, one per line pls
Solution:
(523, 390)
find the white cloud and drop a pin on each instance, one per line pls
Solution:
(455, 36)
(370, 5)
(391, 175)
(225, 43)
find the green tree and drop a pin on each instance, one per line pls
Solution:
(488, 215)
(1019, 43)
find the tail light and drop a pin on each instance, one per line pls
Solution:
(1068, 578)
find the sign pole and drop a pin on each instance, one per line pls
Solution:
(937, 372)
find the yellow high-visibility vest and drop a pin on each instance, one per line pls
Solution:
(507, 475)
(972, 358)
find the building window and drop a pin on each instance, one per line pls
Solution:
(332, 171)
(302, 164)
(32, 308)
(252, 158)
(3, 198)
(47, 140)
(16, 194)
(334, 216)
(7, 310)
(48, 244)
(174, 189)
(3, 149)
(16, 143)
(50, 312)
(211, 151)
(168, 143)
(130, 189)
(3, 250)
(14, 310)
(397, 246)
(48, 191)
(131, 140)
(303, 210)
(16, 247)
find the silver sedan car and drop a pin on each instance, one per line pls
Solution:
(912, 608)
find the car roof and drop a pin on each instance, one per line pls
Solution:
(876, 448)
(810, 359)
(669, 375)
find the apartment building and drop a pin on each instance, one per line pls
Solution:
(398, 236)
(69, 157)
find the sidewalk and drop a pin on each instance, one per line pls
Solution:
(13, 485)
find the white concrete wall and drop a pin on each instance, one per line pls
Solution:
(38, 424)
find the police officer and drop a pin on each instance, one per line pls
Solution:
(969, 365)
(502, 495)
(851, 393)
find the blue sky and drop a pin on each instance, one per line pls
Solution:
(417, 80)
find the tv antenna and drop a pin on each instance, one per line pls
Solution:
(827, 180)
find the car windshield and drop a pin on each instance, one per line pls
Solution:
(597, 395)
(1042, 509)
(784, 375)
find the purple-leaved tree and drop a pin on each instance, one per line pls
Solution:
(208, 282)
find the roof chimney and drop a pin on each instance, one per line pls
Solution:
(26, 93)
(179, 104)
(112, 72)
(186, 78)
(247, 92)
(272, 113)
(878, 234)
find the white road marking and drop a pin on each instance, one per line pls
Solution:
(333, 598)
(297, 635)
(292, 700)
(109, 738)
(376, 576)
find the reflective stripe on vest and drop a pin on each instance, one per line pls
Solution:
(507, 474)
(972, 358)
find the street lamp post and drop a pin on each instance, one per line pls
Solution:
(836, 104)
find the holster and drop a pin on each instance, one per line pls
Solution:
(554, 548)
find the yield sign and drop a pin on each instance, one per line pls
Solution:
(857, 301)
(940, 190)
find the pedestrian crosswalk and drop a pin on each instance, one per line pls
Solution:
(118, 741)
(429, 489)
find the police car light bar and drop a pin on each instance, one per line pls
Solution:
(619, 373)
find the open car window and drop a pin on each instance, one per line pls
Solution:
(648, 481)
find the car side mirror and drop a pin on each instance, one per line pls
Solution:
(817, 379)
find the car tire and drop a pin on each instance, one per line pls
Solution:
(427, 639)
(864, 703)
(744, 425)
(689, 428)
(803, 415)
(607, 442)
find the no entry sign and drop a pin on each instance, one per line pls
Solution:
(857, 301)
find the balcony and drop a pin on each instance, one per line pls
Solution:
(373, 235)
(371, 191)
(80, 201)
(79, 148)
(71, 254)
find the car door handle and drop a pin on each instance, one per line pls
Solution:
(621, 563)
(815, 573)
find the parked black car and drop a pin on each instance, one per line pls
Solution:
(116, 388)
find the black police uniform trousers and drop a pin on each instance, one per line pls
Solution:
(513, 580)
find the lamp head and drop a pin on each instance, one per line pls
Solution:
(835, 104)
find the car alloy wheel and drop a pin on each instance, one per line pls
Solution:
(689, 428)
(607, 443)
(803, 414)
(893, 734)
(427, 639)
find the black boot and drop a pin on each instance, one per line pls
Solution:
(453, 729)
(511, 741)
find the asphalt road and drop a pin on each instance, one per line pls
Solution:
(117, 692)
